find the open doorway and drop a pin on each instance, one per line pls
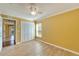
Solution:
(9, 31)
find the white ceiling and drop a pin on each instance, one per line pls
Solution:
(21, 9)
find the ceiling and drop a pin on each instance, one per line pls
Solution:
(46, 9)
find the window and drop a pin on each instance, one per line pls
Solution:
(39, 30)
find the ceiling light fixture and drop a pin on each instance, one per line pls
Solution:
(33, 9)
(33, 13)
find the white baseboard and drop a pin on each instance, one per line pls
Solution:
(18, 43)
(23, 41)
(74, 52)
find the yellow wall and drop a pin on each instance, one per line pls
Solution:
(62, 30)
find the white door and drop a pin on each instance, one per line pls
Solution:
(0, 33)
(27, 31)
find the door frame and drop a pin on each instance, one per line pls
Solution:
(4, 31)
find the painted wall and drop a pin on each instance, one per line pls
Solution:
(18, 31)
(62, 30)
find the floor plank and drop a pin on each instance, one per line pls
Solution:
(33, 48)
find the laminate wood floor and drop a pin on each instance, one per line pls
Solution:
(33, 48)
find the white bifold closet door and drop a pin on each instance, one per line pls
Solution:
(0, 33)
(27, 31)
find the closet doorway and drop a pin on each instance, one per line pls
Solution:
(9, 32)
